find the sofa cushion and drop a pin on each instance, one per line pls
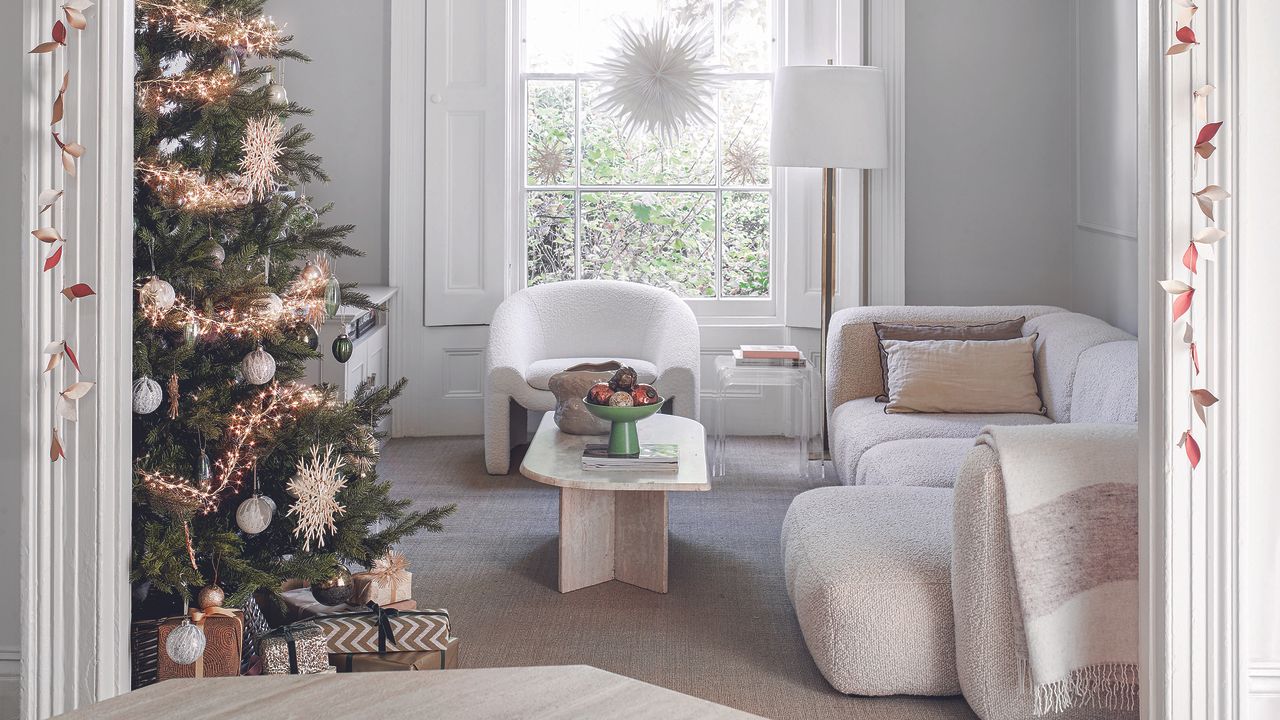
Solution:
(924, 462)
(1106, 385)
(1063, 338)
(539, 373)
(859, 425)
(868, 570)
(962, 376)
(1000, 330)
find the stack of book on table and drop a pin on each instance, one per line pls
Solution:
(652, 458)
(768, 356)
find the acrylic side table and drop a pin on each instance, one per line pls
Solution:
(799, 409)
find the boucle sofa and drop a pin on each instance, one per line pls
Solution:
(871, 565)
(542, 330)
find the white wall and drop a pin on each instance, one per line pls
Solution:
(12, 69)
(346, 84)
(993, 149)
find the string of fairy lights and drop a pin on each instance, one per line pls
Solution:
(190, 20)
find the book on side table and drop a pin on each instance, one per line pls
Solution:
(779, 356)
(660, 458)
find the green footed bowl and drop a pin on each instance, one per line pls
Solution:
(623, 439)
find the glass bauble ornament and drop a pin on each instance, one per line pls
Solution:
(211, 596)
(311, 272)
(335, 590)
(231, 60)
(158, 295)
(308, 334)
(185, 644)
(332, 296)
(147, 395)
(342, 348)
(192, 332)
(270, 307)
(204, 470)
(276, 94)
(258, 366)
(254, 514)
(218, 255)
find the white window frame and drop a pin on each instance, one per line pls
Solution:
(710, 311)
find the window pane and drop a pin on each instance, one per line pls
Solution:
(551, 35)
(549, 234)
(662, 239)
(745, 237)
(600, 22)
(747, 35)
(745, 108)
(609, 157)
(549, 151)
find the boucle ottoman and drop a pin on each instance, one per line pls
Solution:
(868, 569)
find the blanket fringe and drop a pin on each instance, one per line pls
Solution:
(1111, 686)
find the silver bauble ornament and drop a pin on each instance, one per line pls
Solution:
(204, 470)
(185, 644)
(254, 514)
(192, 332)
(218, 254)
(231, 60)
(335, 590)
(258, 366)
(276, 94)
(147, 395)
(158, 295)
(270, 307)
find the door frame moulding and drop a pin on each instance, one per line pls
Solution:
(77, 513)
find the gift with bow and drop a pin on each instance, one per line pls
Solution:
(377, 629)
(297, 649)
(388, 581)
(224, 634)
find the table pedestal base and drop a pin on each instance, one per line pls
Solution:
(607, 535)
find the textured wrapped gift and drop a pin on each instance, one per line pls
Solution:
(381, 629)
(302, 605)
(223, 634)
(446, 659)
(387, 582)
(298, 649)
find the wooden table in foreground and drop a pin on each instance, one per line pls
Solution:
(614, 524)
(532, 693)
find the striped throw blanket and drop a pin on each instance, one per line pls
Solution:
(1072, 496)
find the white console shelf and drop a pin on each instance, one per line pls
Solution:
(369, 355)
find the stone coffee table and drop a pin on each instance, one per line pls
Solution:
(613, 524)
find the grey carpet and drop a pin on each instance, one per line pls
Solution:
(724, 632)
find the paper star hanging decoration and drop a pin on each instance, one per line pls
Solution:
(659, 79)
(316, 486)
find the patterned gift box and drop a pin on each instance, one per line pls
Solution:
(223, 635)
(420, 660)
(298, 649)
(380, 630)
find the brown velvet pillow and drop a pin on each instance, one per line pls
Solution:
(1001, 330)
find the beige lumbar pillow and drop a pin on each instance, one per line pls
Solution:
(962, 376)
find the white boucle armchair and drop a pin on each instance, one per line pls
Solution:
(542, 330)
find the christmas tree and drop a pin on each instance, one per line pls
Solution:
(243, 475)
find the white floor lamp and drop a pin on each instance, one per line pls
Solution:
(831, 116)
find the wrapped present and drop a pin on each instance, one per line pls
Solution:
(381, 629)
(301, 605)
(298, 649)
(388, 581)
(224, 635)
(446, 659)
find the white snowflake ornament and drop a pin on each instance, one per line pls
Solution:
(659, 79)
(316, 486)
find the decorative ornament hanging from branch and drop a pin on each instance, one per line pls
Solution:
(261, 161)
(316, 486)
(659, 79)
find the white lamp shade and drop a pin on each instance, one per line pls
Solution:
(829, 116)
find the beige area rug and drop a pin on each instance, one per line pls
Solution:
(725, 631)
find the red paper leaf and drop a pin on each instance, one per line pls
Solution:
(79, 290)
(1195, 358)
(1192, 447)
(1186, 34)
(60, 33)
(52, 261)
(71, 356)
(1190, 257)
(1208, 132)
(1182, 304)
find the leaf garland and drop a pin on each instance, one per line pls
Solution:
(67, 403)
(1201, 245)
